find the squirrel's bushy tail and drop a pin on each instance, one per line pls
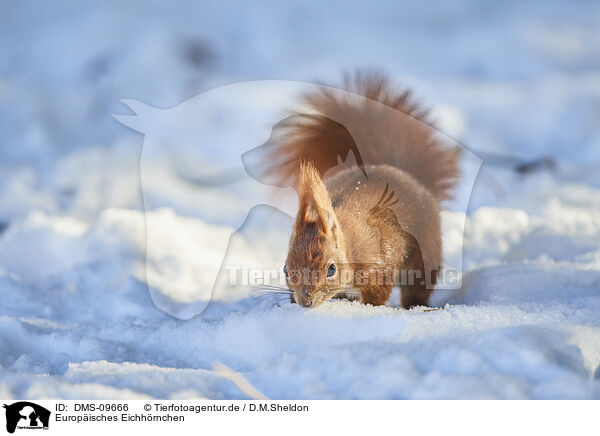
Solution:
(378, 123)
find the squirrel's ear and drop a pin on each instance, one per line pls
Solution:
(312, 213)
(315, 204)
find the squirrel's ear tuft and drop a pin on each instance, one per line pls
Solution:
(315, 204)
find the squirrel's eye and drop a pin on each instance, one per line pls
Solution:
(285, 270)
(331, 270)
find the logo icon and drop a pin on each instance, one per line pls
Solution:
(26, 415)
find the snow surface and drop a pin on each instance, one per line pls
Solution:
(77, 320)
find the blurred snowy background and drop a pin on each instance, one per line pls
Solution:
(517, 81)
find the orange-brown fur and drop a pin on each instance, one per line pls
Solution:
(377, 217)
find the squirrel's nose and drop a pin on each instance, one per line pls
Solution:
(305, 299)
(307, 302)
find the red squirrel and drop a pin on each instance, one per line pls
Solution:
(360, 225)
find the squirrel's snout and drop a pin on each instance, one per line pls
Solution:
(307, 302)
(304, 299)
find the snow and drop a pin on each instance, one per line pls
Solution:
(109, 250)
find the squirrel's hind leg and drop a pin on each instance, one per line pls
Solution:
(415, 295)
(416, 292)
